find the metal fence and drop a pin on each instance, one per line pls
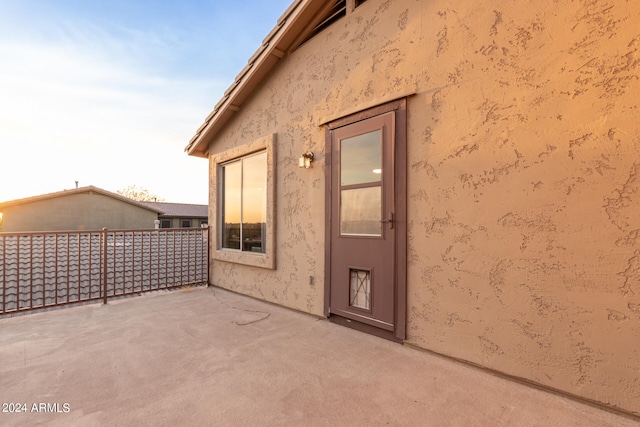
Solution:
(47, 269)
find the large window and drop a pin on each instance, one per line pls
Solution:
(244, 203)
(244, 180)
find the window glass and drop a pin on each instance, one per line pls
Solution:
(244, 203)
(254, 202)
(360, 159)
(360, 210)
(231, 203)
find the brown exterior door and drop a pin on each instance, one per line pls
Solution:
(363, 230)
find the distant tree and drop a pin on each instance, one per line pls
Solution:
(140, 194)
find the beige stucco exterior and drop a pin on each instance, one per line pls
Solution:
(79, 209)
(523, 179)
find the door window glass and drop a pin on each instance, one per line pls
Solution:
(360, 210)
(360, 159)
(361, 184)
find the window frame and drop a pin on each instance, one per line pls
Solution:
(241, 162)
(217, 161)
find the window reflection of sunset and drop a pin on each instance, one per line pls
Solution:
(254, 180)
(251, 175)
(232, 183)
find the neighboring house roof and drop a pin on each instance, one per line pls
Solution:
(295, 25)
(184, 210)
(80, 190)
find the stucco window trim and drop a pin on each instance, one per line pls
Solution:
(263, 260)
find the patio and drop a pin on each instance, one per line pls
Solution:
(206, 356)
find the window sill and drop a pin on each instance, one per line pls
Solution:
(246, 258)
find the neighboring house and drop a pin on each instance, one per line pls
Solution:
(475, 185)
(180, 215)
(84, 208)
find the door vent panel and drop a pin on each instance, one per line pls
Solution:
(360, 289)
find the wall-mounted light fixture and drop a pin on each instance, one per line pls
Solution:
(306, 160)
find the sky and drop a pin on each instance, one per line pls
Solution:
(109, 93)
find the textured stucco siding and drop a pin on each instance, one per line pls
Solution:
(83, 211)
(523, 179)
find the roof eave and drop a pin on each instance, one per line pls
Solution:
(274, 47)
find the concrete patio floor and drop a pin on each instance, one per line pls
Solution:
(205, 356)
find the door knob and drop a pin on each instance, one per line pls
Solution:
(389, 220)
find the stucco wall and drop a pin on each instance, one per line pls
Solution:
(83, 211)
(523, 175)
(298, 280)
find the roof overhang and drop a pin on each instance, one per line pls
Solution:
(297, 21)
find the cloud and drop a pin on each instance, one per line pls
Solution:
(63, 113)
(110, 93)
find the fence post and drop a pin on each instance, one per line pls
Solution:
(104, 265)
(207, 243)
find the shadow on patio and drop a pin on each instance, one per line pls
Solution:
(205, 356)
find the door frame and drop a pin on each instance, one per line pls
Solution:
(400, 181)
